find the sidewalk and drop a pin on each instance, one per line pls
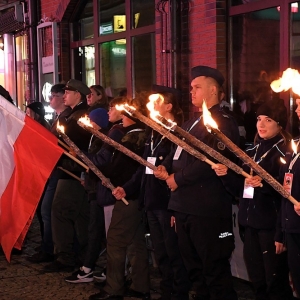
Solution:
(22, 280)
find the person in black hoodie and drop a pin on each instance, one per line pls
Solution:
(154, 197)
(70, 208)
(289, 228)
(96, 233)
(202, 207)
(259, 205)
(126, 232)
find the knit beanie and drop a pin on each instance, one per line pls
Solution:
(274, 109)
(99, 116)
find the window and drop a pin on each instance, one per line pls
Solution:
(118, 51)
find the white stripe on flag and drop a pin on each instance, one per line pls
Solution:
(11, 124)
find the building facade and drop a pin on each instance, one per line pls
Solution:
(134, 44)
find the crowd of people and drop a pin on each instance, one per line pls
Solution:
(185, 203)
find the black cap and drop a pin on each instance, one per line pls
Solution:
(274, 109)
(208, 72)
(79, 86)
(37, 107)
(165, 89)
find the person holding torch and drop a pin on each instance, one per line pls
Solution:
(289, 230)
(154, 199)
(201, 204)
(259, 205)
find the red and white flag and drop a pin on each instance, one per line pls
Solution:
(28, 154)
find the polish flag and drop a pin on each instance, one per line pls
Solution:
(28, 154)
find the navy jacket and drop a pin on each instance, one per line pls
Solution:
(261, 212)
(115, 165)
(200, 191)
(154, 193)
(290, 221)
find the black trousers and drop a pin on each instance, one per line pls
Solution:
(70, 219)
(126, 236)
(267, 270)
(206, 244)
(96, 234)
(293, 246)
(167, 255)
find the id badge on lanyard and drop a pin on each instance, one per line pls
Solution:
(288, 177)
(288, 182)
(248, 191)
(151, 160)
(177, 153)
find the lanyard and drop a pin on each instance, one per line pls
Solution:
(264, 155)
(135, 130)
(152, 143)
(293, 160)
(91, 141)
(195, 123)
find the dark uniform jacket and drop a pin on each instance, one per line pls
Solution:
(61, 119)
(200, 191)
(77, 134)
(290, 221)
(154, 193)
(261, 212)
(115, 165)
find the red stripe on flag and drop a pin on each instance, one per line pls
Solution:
(35, 154)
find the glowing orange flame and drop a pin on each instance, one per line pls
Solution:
(86, 121)
(154, 114)
(125, 107)
(290, 79)
(294, 146)
(282, 160)
(207, 119)
(60, 128)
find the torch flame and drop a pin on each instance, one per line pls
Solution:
(290, 79)
(125, 107)
(154, 114)
(207, 119)
(60, 128)
(282, 160)
(86, 121)
(294, 146)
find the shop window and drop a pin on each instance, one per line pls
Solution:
(143, 13)
(84, 58)
(112, 18)
(144, 62)
(113, 67)
(83, 28)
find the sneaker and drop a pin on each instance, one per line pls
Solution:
(80, 276)
(100, 276)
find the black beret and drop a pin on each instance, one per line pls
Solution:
(37, 107)
(208, 72)
(274, 109)
(79, 86)
(160, 89)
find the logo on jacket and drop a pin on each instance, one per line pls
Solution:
(220, 146)
(224, 235)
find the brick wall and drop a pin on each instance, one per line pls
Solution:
(208, 34)
(202, 35)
